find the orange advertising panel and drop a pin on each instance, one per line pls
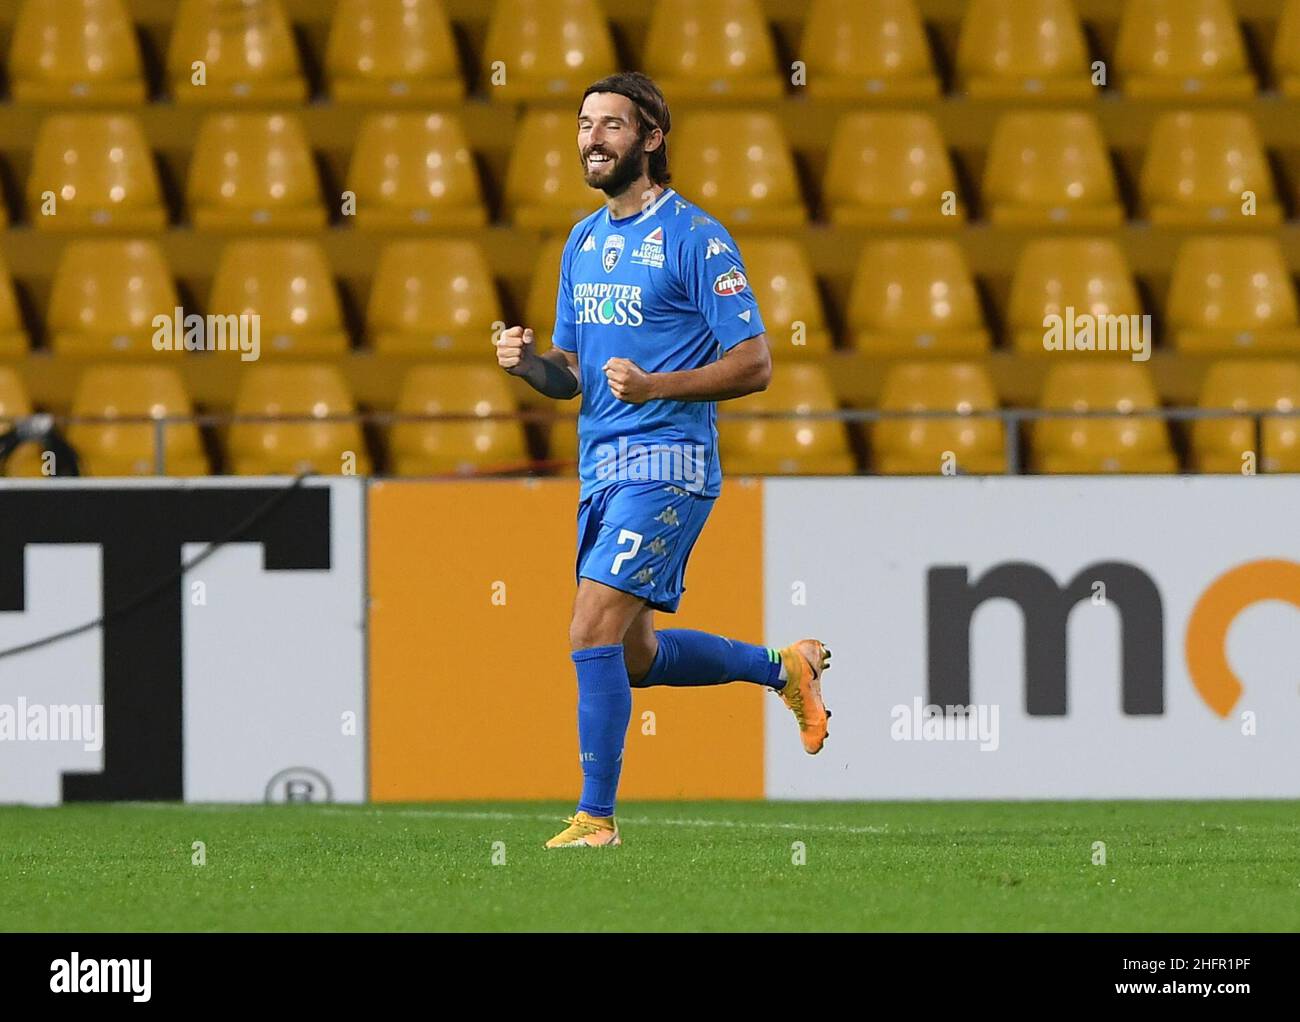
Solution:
(472, 692)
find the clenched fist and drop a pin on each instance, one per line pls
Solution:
(628, 381)
(515, 349)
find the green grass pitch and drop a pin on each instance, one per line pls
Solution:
(1200, 866)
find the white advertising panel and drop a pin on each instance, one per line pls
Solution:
(242, 681)
(1094, 638)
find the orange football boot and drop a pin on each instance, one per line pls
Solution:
(585, 831)
(804, 663)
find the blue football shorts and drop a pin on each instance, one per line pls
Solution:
(637, 537)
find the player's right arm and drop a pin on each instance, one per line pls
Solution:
(554, 374)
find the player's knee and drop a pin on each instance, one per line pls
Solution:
(587, 631)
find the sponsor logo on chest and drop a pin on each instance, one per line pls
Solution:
(604, 304)
(651, 250)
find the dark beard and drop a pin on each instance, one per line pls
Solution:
(626, 169)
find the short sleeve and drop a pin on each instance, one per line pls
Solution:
(714, 277)
(565, 334)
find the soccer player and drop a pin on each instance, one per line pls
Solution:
(655, 323)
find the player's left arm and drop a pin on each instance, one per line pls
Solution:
(711, 273)
(744, 369)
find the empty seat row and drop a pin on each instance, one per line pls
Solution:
(481, 438)
(389, 51)
(326, 442)
(914, 297)
(974, 443)
(415, 171)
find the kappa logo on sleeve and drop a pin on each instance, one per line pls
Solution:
(732, 282)
(716, 246)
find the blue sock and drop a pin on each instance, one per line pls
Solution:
(604, 711)
(688, 657)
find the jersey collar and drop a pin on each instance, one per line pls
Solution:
(648, 213)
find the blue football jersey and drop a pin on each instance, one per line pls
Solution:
(666, 289)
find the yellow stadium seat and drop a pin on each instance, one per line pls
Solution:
(1054, 276)
(539, 307)
(1181, 48)
(483, 446)
(859, 51)
(562, 445)
(380, 52)
(414, 171)
(1124, 444)
(786, 446)
(915, 298)
(719, 50)
(1254, 385)
(222, 53)
(778, 271)
(1232, 295)
(1011, 49)
(544, 185)
(93, 172)
(289, 287)
(548, 49)
(966, 443)
(75, 51)
(1286, 50)
(105, 297)
(25, 461)
(1050, 170)
(253, 172)
(13, 397)
(13, 335)
(329, 447)
(433, 298)
(1199, 167)
(890, 169)
(738, 166)
(129, 449)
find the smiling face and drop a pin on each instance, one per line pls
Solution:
(610, 145)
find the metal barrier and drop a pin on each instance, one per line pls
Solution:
(1011, 418)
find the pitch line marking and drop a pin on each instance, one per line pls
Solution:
(465, 814)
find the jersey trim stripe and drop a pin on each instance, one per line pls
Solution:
(655, 208)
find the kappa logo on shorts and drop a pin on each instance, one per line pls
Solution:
(610, 254)
(732, 282)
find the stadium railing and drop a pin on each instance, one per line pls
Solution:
(1013, 420)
